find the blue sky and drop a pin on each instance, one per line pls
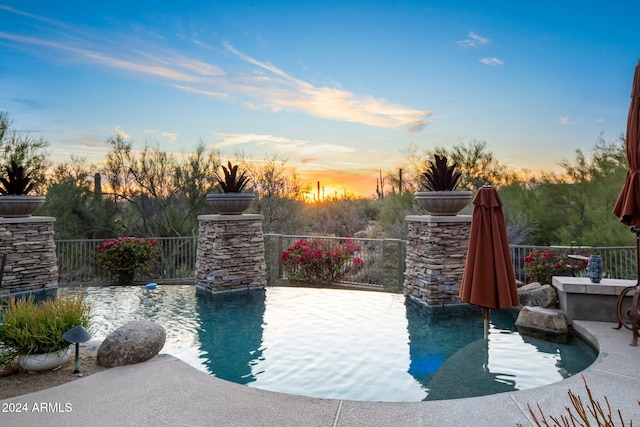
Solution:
(339, 88)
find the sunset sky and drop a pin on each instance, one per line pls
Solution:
(339, 88)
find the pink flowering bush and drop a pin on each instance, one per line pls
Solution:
(320, 261)
(124, 257)
(541, 264)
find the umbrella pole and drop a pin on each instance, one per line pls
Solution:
(632, 313)
(485, 316)
(634, 306)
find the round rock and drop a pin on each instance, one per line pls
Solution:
(134, 342)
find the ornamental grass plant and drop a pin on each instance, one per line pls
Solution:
(17, 181)
(589, 413)
(440, 176)
(125, 257)
(29, 327)
(320, 261)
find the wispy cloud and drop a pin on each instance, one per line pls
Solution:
(103, 59)
(281, 90)
(209, 93)
(254, 84)
(200, 43)
(119, 132)
(492, 61)
(568, 120)
(305, 151)
(279, 144)
(235, 139)
(199, 67)
(169, 136)
(473, 40)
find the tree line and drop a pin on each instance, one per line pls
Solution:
(150, 192)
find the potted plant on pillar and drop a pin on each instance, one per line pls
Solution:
(441, 181)
(230, 200)
(15, 186)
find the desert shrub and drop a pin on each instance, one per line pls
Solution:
(125, 257)
(542, 264)
(320, 261)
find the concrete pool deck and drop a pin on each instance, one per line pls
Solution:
(167, 391)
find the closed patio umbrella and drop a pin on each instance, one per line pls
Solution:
(627, 207)
(488, 280)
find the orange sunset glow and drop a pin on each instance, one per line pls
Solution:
(338, 184)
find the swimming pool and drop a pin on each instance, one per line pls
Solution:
(341, 344)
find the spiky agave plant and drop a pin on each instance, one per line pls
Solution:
(231, 182)
(17, 181)
(441, 176)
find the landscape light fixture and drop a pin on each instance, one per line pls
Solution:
(75, 336)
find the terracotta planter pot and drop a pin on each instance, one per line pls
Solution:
(20, 206)
(43, 362)
(443, 203)
(231, 203)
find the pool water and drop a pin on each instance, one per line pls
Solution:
(341, 344)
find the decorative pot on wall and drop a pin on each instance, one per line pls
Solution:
(443, 203)
(43, 362)
(230, 203)
(20, 206)
(595, 268)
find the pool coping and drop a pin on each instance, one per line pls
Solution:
(168, 391)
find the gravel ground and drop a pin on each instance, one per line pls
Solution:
(16, 382)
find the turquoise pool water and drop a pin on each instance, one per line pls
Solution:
(341, 344)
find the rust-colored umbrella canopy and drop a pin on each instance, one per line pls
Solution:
(488, 280)
(627, 207)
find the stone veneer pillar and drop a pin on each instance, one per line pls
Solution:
(31, 254)
(436, 254)
(230, 253)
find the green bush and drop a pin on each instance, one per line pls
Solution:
(124, 257)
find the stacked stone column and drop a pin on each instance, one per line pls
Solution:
(230, 253)
(31, 262)
(436, 254)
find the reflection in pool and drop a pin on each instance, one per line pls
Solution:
(342, 344)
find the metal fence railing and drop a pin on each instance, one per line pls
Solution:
(77, 263)
(76, 259)
(620, 261)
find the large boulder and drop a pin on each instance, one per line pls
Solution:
(535, 294)
(527, 287)
(544, 320)
(134, 342)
